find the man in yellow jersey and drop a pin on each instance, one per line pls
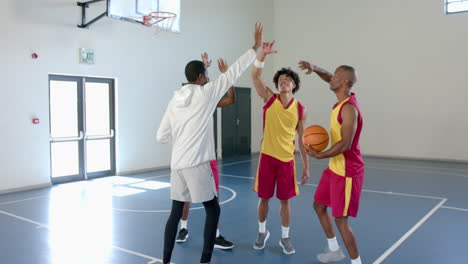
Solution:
(283, 116)
(341, 183)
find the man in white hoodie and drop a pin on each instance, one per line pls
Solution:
(187, 125)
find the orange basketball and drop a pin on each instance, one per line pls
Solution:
(315, 137)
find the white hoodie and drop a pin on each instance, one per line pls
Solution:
(187, 122)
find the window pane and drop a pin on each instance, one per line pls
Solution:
(64, 159)
(63, 109)
(457, 7)
(98, 155)
(97, 109)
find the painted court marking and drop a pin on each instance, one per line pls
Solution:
(409, 233)
(233, 196)
(24, 200)
(152, 259)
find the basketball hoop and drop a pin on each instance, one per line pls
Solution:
(155, 17)
(161, 22)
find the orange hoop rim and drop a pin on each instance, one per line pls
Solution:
(155, 17)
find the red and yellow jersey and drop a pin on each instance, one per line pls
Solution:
(350, 162)
(279, 128)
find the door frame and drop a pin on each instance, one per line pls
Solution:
(83, 138)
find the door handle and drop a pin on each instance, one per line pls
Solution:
(111, 135)
(67, 139)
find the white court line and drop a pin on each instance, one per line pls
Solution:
(403, 169)
(152, 259)
(405, 194)
(25, 219)
(23, 200)
(159, 176)
(244, 161)
(394, 168)
(234, 195)
(455, 208)
(364, 190)
(409, 233)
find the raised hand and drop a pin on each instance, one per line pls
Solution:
(258, 36)
(222, 65)
(205, 60)
(267, 48)
(305, 65)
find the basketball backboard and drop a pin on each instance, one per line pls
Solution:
(135, 10)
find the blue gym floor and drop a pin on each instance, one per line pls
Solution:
(411, 212)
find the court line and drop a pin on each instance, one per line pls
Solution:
(409, 233)
(364, 190)
(234, 195)
(25, 219)
(23, 200)
(233, 163)
(395, 168)
(403, 169)
(455, 208)
(159, 176)
(152, 259)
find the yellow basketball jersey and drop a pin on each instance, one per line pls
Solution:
(279, 128)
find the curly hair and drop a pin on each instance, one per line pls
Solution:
(291, 74)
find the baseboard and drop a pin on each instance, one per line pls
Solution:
(143, 170)
(26, 188)
(414, 158)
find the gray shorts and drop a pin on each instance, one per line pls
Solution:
(194, 185)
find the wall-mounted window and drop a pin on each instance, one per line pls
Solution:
(456, 6)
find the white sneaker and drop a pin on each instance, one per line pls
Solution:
(331, 256)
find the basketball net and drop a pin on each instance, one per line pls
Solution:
(161, 22)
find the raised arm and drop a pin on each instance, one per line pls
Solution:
(310, 68)
(228, 100)
(231, 98)
(262, 90)
(349, 114)
(219, 87)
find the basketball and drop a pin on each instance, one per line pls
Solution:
(315, 137)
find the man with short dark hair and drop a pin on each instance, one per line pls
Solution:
(187, 125)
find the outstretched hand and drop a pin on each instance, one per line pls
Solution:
(222, 65)
(205, 59)
(267, 48)
(258, 35)
(305, 65)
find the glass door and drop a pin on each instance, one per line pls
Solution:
(82, 137)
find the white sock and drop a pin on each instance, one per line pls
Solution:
(183, 224)
(333, 244)
(356, 260)
(284, 232)
(262, 227)
(217, 232)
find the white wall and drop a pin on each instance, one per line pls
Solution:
(411, 59)
(147, 69)
(412, 63)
